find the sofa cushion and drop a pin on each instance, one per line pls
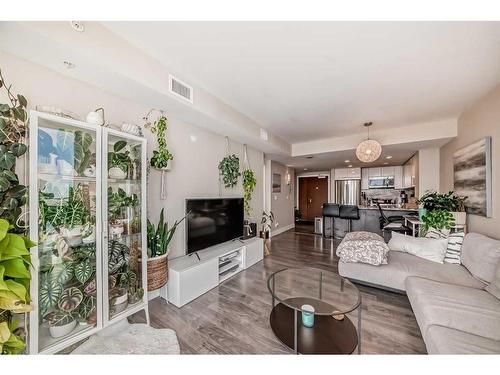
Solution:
(455, 242)
(432, 249)
(443, 340)
(494, 287)
(458, 307)
(401, 265)
(480, 254)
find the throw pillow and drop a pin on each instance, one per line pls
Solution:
(455, 241)
(427, 248)
(494, 287)
(437, 233)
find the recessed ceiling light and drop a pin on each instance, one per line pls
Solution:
(309, 157)
(78, 26)
(306, 169)
(350, 165)
(347, 161)
(386, 163)
(68, 64)
(388, 157)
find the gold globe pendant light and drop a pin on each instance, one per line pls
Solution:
(369, 150)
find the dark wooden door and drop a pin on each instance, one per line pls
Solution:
(313, 192)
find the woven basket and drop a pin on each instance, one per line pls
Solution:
(157, 272)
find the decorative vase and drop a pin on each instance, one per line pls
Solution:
(157, 272)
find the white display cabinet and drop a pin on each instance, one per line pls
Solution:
(68, 182)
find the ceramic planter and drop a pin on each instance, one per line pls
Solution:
(117, 173)
(460, 217)
(60, 331)
(72, 236)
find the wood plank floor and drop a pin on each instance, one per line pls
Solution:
(234, 317)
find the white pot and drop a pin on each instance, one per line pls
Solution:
(60, 331)
(167, 168)
(95, 118)
(118, 173)
(116, 229)
(121, 299)
(460, 217)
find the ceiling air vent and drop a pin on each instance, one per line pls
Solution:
(180, 89)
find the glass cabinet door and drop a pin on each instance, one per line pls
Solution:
(124, 231)
(64, 157)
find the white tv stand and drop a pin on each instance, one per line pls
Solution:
(189, 277)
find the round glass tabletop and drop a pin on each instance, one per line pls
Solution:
(327, 292)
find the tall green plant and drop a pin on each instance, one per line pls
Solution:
(438, 219)
(249, 183)
(159, 238)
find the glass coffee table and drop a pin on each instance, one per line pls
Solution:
(301, 296)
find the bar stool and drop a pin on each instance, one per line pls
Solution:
(350, 213)
(332, 211)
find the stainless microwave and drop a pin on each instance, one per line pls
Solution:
(381, 182)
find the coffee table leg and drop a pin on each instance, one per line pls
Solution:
(272, 295)
(359, 328)
(320, 285)
(295, 347)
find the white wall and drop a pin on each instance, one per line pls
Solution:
(428, 170)
(282, 203)
(196, 151)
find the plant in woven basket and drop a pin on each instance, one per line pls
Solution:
(249, 183)
(229, 169)
(158, 239)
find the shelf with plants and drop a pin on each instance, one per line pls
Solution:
(125, 237)
(65, 202)
(82, 273)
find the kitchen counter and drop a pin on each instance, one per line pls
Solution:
(369, 219)
(363, 207)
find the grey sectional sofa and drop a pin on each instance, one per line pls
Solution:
(455, 313)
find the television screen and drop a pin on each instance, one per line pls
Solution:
(213, 221)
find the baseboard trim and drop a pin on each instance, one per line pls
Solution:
(275, 232)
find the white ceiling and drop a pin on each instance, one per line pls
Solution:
(308, 80)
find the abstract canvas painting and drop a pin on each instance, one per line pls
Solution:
(472, 175)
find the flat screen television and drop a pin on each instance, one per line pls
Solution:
(212, 221)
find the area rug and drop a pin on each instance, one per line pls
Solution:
(126, 338)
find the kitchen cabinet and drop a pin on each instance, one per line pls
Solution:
(410, 172)
(398, 177)
(374, 172)
(87, 269)
(387, 171)
(347, 173)
(364, 179)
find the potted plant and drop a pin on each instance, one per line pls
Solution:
(229, 170)
(449, 202)
(162, 157)
(266, 222)
(158, 240)
(118, 161)
(60, 323)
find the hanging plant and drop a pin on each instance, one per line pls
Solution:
(229, 169)
(162, 156)
(249, 183)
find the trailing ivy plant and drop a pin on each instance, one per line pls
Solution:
(229, 169)
(162, 156)
(13, 125)
(249, 182)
